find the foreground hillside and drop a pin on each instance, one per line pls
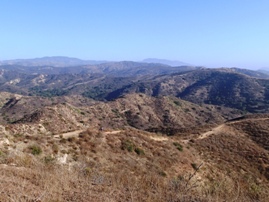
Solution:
(224, 163)
(135, 148)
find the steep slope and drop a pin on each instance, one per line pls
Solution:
(211, 86)
(239, 150)
(15, 108)
(165, 114)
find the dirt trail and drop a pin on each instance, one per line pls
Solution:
(112, 132)
(215, 130)
(221, 128)
(247, 119)
(69, 134)
(77, 132)
(156, 138)
(211, 132)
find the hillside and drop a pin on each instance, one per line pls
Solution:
(239, 150)
(211, 86)
(73, 148)
(241, 89)
(63, 114)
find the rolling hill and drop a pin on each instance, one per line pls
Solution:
(211, 86)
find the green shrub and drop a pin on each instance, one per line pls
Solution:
(178, 146)
(139, 151)
(35, 149)
(127, 145)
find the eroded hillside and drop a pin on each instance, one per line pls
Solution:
(235, 88)
(74, 148)
(211, 86)
(64, 114)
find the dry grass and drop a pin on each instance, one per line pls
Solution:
(99, 169)
(51, 182)
(133, 165)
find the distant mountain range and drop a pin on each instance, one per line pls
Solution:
(60, 61)
(65, 65)
(264, 71)
(172, 63)
(56, 61)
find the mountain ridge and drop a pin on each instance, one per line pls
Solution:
(57, 61)
(172, 63)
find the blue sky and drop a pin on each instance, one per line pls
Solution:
(211, 33)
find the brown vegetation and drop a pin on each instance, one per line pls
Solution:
(83, 150)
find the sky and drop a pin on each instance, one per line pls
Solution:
(211, 33)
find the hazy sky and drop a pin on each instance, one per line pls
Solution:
(212, 33)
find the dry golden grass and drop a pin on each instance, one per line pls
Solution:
(134, 165)
(50, 182)
(99, 168)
